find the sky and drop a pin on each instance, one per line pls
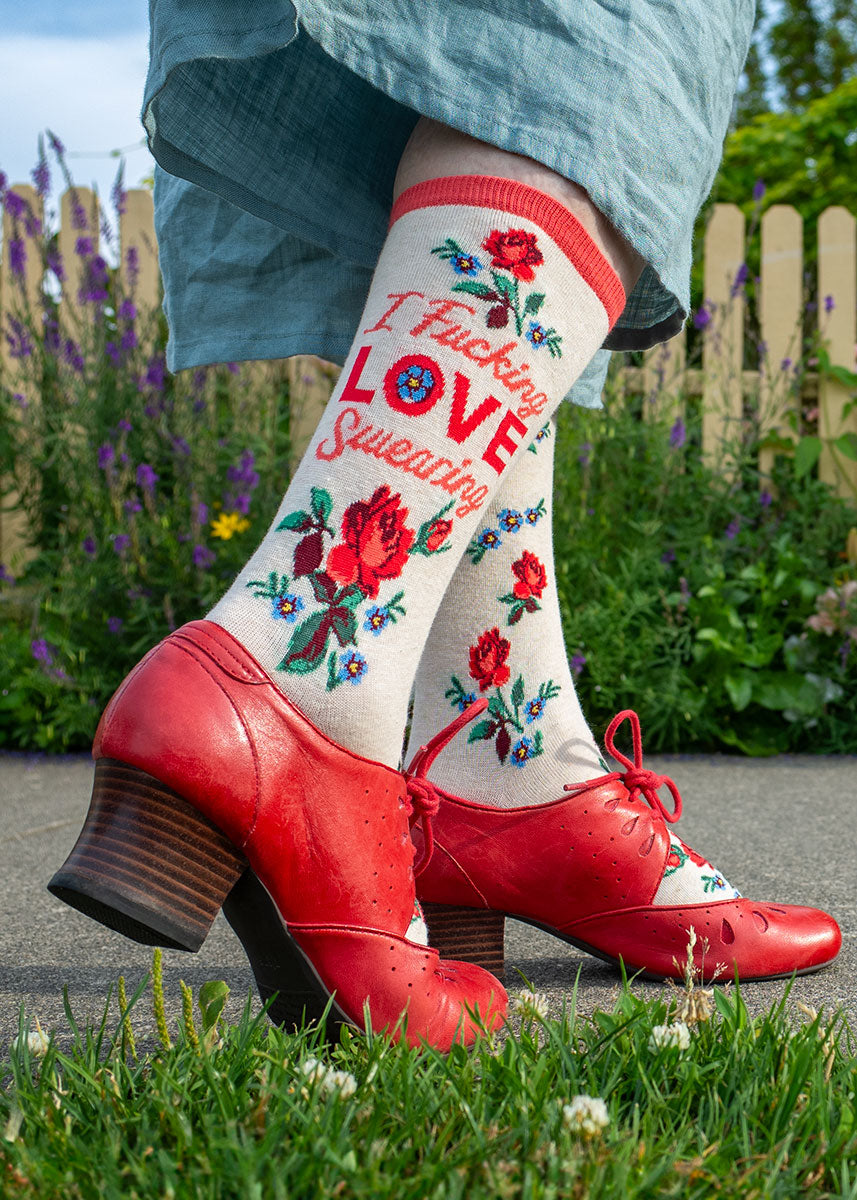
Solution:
(76, 67)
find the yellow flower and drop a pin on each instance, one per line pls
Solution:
(224, 525)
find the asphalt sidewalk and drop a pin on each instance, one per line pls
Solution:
(780, 829)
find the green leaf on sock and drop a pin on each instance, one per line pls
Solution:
(482, 731)
(475, 289)
(518, 692)
(534, 302)
(321, 504)
(299, 521)
(308, 644)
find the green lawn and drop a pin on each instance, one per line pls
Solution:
(724, 1105)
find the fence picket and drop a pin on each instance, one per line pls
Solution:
(780, 311)
(723, 349)
(837, 278)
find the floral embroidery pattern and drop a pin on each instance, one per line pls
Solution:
(543, 433)
(516, 253)
(488, 659)
(710, 878)
(510, 520)
(530, 581)
(375, 542)
(507, 720)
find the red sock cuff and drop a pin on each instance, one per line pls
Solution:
(521, 200)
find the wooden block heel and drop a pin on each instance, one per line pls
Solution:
(473, 935)
(147, 864)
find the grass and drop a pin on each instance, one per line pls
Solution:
(752, 1107)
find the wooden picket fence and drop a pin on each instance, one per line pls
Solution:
(721, 385)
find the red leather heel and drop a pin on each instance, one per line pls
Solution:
(470, 934)
(147, 863)
(208, 777)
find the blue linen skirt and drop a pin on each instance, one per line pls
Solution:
(278, 127)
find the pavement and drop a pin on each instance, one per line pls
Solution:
(780, 829)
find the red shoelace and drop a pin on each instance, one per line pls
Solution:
(636, 778)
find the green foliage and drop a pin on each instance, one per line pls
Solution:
(688, 591)
(806, 158)
(752, 1106)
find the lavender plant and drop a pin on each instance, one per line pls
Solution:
(136, 494)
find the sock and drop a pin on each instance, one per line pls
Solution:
(488, 300)
(498, 633)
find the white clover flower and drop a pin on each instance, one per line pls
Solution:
(36, 1042)
(327, 1080)
(676, 1034)
(530, 1004)
(586, 1116)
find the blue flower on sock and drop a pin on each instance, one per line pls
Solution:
(489, 539)
(532, 516)
(414, 384)
(465, 264)
(286, 607)
(536, 335)
(377, 619)
(522, 751)
(510, 520)
(352, 667)
(534, 709)
(466, 701)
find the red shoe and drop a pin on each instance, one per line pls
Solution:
(210, 787)
(586, 868)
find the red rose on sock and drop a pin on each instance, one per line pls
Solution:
(437, 534)
(488, 660)
(698, 859)
(377, 542)
(515, 251)
(531, 576)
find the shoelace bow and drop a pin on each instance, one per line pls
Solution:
(636, 778)
(425, 801)
(423, 795)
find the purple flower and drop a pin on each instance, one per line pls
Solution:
(785, 364)
(14, 205)
(5, 576)
(89, 546)
(56, 145)
(121, 542)
(52, 336)
(132, 506)
(18, 339)
(17, 256)
(583, 456)
(683, 588)
(741, 277)
(678, 434)
(129, 339)
(146, 477)
(111, 351)
(233, 368)
(766, 499)
(202, 557)
(132, 264)
(106, 454)
(42, 176)
(577, 663)
(199, 377)
(124, 424)
(702, 317)
(180, 445)
(4, 182)
(94, 290)
(114, 624)
(127, 310)
(199, 406)
(78, 212)
(154, 377)
(201, 514)
(829, 304)
(668, 556)
(42, 652)
(54, 261)
(733, 527)
(73, 356)
(84, 246)
(117, 192)
(758, 190)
